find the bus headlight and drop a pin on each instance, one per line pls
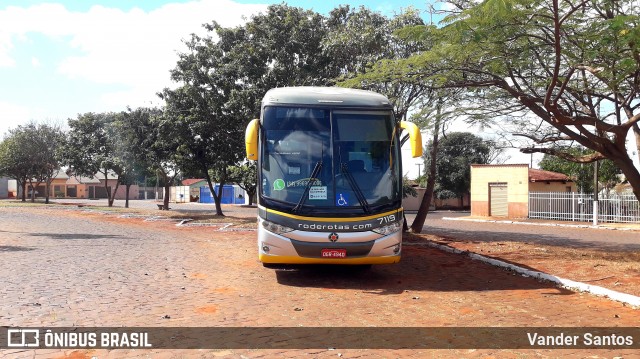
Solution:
(388, 229)
(275, 228)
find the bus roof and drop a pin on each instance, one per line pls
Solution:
(334, 96)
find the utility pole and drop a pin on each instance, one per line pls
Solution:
(531, 160)
(419, 173)
(595, 193)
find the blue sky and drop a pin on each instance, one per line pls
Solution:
(386, 6)
(64, 57)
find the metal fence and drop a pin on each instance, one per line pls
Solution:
(569, 206)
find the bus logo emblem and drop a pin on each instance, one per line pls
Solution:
(333, 237)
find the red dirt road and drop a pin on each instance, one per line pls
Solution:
(78, 268)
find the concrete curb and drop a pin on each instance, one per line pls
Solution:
(161, 219)
(224, 227)
(538, 224)
(187, 223)
(562, 282)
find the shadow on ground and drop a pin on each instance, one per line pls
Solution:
(78, 236)
(421, 269)
(15, 249)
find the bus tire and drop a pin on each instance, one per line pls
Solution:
(272, 265)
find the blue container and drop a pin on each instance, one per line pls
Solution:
(227, 194)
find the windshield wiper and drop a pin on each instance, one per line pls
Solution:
(312, 180)
(355, 188)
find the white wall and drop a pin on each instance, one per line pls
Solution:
(4, 187)
(179, 194)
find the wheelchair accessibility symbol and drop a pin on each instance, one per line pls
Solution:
(342, 200)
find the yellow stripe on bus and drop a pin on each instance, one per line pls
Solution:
(329, 219)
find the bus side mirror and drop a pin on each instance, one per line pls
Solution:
(251, 139)
(414, 137)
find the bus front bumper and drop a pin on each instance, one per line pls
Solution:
(277, 249)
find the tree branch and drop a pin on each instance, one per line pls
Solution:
(543, 140)
(596, 156)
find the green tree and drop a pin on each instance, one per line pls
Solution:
(407, 188)
(560, 72)
(209, 139)
(224, 75)
(132, 147)
(361, 43)
(281, 47)
(372, 65)
(356, 39)
(31, 154)
(92, 148)
(152, 133)
(457, 151)
(15, 159)
(245, 175)
(46, 141)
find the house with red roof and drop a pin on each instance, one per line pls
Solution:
(503, 190)
(194, 185)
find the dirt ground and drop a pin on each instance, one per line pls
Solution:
(222, 284)
(615, 269)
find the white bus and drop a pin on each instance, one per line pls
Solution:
(329, 176)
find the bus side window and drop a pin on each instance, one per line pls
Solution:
(266, 163)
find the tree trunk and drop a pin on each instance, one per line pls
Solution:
(33, 192)
(251, 195)
(630, 172)
(126, 201)
(23, 186)
(47, 190)
(112, 197)
(216, 196)
(421, 216)
(167, 194)
(106, 188)
(167, 187)
(636, 133)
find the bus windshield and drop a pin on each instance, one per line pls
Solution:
(353, 154)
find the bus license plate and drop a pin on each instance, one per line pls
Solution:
(334, 253)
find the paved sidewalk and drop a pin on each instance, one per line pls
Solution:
(88, 268)
(462, 226)
(550, 223)
(150, 204)
(244, 210)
